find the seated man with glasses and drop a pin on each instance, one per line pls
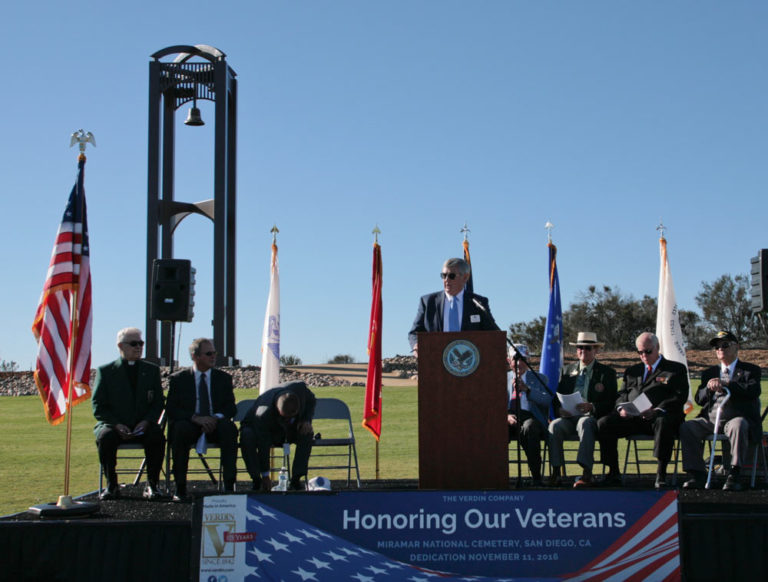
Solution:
(452, 309)
(594, 385)
(127, 403)
(201, 403)
(665, 385)
(739, 420)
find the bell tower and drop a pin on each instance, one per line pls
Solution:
(178, 75)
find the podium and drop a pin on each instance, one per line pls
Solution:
(463, 432)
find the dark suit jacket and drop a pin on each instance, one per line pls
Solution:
(429, 316)
(745, 395)
(266, 421)
(603, 401)
(182, 395)
(666, 388)
(114, 401)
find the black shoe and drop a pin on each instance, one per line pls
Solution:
(610, 480)
(536, 482)
(229, 487)
(554, 481)
(732, 483)
(152, 492)
(110, 493)
(660, 483)
(296, 485)
(693, 483)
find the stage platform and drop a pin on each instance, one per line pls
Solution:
(723, 536)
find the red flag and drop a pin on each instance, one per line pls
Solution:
(372, 408)
(470, 284)
(59, 329)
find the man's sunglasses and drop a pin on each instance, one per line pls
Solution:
(450, 276)
(646, 352)
(135, 343)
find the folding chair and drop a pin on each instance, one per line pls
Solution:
(330, 409)
(760, 448)
(632, 441)
(512, 458)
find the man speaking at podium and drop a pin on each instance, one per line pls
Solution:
(453, 308)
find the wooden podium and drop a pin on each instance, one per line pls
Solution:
(463, 431)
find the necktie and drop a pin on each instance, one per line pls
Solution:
(581, 383)
(725, 375)
(453, 316)
(648, 370)
(205, 406)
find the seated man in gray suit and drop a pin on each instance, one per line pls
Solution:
(739, 420)
(201, 402)
(127, 403)
(453, 308)
(282, 414)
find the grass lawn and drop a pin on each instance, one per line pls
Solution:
(32, 457)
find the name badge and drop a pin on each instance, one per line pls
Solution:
(474, 318)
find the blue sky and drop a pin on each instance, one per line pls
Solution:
(601, 117)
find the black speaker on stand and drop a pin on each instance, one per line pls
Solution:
(172, 290)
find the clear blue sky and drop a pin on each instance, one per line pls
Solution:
(601, 117)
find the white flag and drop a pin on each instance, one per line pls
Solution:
(270, 340)
(668, 330)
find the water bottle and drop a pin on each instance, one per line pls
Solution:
(282, 481)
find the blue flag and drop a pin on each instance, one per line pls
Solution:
(552, 348)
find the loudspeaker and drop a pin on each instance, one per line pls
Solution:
(173, 286)
(759, 272)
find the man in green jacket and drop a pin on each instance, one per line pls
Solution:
(127, 403)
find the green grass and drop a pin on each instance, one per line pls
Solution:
(32, 456)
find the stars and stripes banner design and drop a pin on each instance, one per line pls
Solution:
(649, 550)
(270, 341)
(372, 406)
(440, 535)
(552, 347)
(668, 329)
(63, 330)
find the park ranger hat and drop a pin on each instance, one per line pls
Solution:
(587, 338)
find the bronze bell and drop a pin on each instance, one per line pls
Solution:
(193, 117)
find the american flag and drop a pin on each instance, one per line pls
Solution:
(56, 324)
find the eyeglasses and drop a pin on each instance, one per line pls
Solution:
(135, 343)
(646, 352)
(210, 353)
(584, 348)
(450, 276)
(723, 346)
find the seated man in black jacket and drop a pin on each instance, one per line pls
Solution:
(282, 414)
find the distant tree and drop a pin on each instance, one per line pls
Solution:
(725, 304)
(617, 319)
(290, 360)
(6, 366)
(694, 330)
(530, 333)
(342, 359)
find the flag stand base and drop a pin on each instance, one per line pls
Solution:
(65, 508)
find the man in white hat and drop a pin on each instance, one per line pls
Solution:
(528, 408)
(597, 386)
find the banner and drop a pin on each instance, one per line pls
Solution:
(552, 347)
(270, 340)
(372, 405)
(440, 535)
(668, 330)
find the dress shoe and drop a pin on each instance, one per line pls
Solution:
(229, 487)
(660, 482)
(182, 497)
(610, 480)
(110, 493)
(732, 483)
(536, 482)
(693, 483)
(583, 482)
(152, 492)
(296, 485)
(554, 481)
